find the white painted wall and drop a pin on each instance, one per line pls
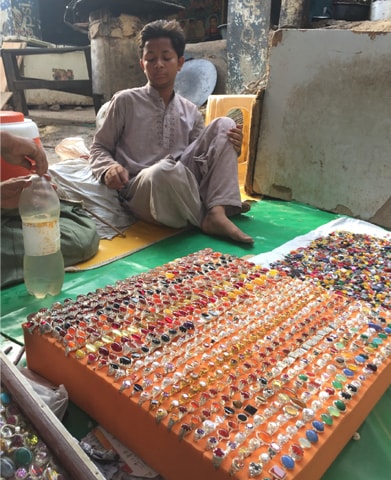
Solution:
(325, 135)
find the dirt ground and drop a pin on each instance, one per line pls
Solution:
(55, 126)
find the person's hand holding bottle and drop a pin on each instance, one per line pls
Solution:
(23, 152)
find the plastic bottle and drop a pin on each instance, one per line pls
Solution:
(43, 263)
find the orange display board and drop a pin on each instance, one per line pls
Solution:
(212, 367)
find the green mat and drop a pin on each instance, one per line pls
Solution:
(271, 223)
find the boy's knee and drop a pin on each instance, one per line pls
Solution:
(162, 173)
(222, 123)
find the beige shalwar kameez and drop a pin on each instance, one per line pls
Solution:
(178, 168)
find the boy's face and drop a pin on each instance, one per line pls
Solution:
(160, 63)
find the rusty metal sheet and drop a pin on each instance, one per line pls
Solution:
(247, 42)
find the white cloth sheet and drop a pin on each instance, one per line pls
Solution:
(340, 224)
(76, 182)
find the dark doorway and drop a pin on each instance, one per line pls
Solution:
(53, 27)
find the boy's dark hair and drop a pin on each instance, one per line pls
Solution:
(163, 29)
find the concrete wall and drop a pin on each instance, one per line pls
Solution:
(115, 55)
(111, 71)
(325, 134)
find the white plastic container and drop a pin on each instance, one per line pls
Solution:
(380, 10)
(16, 124)
(43, 262)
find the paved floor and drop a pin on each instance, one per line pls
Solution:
(65, 116)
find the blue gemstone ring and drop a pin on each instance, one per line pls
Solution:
(288, 462)
(312, 436)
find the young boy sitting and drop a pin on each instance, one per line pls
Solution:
(154, 149)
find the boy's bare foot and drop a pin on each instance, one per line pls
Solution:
(217, 223)
(230, 211)
(246, 207)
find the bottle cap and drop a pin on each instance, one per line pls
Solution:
(8, 116)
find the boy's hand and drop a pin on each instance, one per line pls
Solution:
(235, 136)
(116, 177)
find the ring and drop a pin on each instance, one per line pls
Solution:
(144, 397)
(291, 410)
(244, 452)
(242, 418)
(296, 452)
(218, 457)
(254, 469)
(274, 449)
(212, 443)
(232, 426)
(232, 445)
(352, 388)
(264, 437)
(272, 427)
(242, 384)
(259, 420)
(91, 358)
(260, 400)
(173, 405)
(233, 389)
(8, 430)
(249, 428)
(137, 388)
(340, 405)
(195, 420)
(153, 404)
(297, 402)
(264, 457)
(311, 436)
(245, 395)
(268, 392)
(198, 434)
(208, 426)
(318, 426)
(172, 421)
(222, 434)
(205, 414)
(254, 444)
(288, 462)
(125, 385)
(277, 472)
(155, 391)
(237, 464)
(184, 430)
(254, 388)
(160, 414)
(308, 414)
(229, 411)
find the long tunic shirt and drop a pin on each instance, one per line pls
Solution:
(139, 130)
(178, 168)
